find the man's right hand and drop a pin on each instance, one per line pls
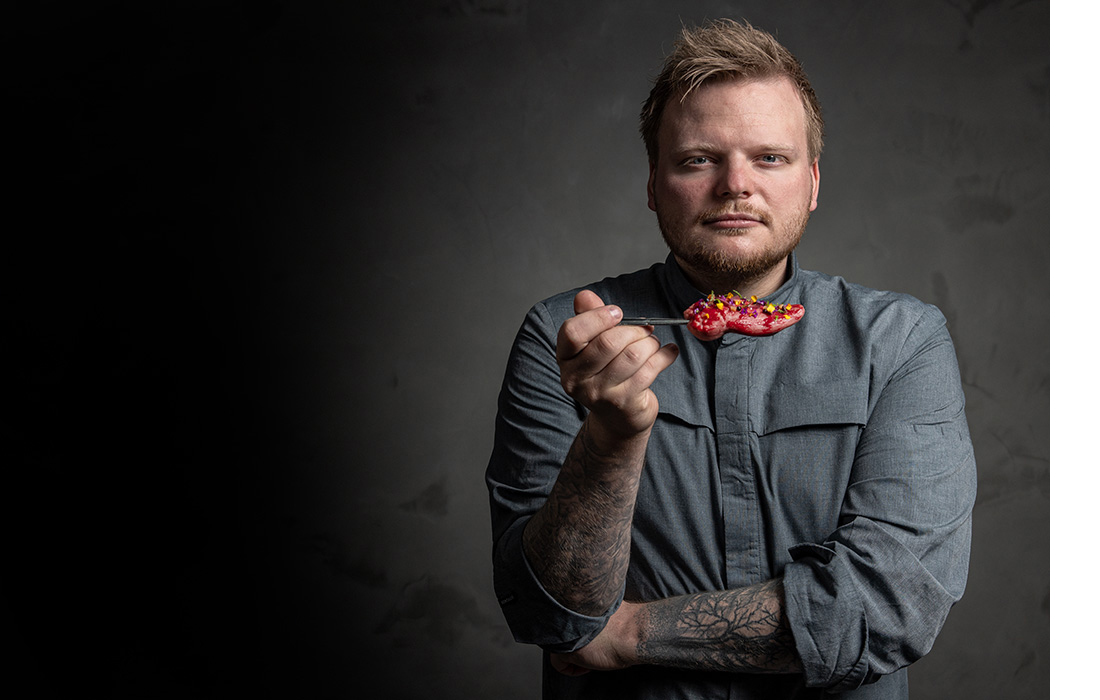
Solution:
(608, 368)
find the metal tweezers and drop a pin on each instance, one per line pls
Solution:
(643, 321)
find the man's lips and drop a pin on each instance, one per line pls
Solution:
(732, 220)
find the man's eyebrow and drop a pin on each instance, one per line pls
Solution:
(706, 145)
(695, 146)
(777, 148)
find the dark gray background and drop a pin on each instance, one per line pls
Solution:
(276, 254)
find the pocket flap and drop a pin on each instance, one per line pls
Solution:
(820, 403)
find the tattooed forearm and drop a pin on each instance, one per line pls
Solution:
(743, 630)
(579, 542)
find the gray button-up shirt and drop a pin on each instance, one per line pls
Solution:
(834, 454)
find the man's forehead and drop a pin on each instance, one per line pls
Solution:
(736, 79)
(781, 83)
(751, 102)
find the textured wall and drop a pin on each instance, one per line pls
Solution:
(284, 250)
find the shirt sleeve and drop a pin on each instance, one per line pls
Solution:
(871, 598)
(535, 426)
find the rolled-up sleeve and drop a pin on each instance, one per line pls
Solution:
(535, 427)
(871, 598)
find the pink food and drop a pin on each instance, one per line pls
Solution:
(714, 316)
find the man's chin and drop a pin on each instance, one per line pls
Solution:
(728, 263)
(737, 256)
(745, 270)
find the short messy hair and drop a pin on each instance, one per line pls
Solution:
(725, 50)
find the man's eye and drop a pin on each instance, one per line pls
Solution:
(697, 160)
(771, 158)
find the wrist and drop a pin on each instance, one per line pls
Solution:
(608, 439)
(626, 631)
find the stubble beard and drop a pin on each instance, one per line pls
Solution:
(709, 260)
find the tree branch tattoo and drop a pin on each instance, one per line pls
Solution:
(579, 542)
(744, 630)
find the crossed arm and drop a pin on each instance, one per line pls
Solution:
(578, 543)
(742, 630)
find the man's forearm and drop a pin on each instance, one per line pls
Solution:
(744, 630)
(578, 543)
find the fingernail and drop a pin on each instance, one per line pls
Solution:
(616, 312)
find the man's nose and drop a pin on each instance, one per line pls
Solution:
(734, 181)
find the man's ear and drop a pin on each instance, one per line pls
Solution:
(649, 185)
(815, 173)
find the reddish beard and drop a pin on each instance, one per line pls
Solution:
(700, 255)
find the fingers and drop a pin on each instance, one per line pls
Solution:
(608, 368)
(612, 377)
(638, 364)
(614, 354)
(565, 667)
(592, 318)
(589, 355)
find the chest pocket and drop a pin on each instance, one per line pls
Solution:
(786, 406)
(804, 448)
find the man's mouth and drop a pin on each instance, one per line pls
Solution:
(735, 219)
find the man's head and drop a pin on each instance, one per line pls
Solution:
(733, 157)
(727, 50)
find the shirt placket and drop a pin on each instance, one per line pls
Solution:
(740, 509)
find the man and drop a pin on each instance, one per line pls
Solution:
(751, 517)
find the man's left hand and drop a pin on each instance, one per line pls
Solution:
(614, 648)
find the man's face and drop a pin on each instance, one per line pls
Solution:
(733, 185)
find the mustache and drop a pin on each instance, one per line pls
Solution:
(737, 208)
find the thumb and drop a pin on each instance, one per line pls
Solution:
(586, 301)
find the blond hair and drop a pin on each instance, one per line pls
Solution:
(726, 50)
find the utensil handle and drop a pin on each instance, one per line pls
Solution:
(643, 321)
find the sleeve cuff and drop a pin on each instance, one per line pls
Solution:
(833, 655)
(533, 615)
